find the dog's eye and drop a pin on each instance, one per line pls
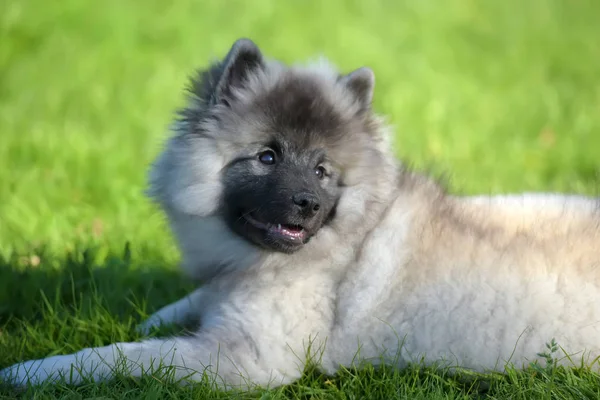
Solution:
(320, 172)
(267, 157)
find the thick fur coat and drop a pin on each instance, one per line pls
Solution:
(391, 268)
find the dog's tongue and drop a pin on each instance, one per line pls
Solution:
(289, 231)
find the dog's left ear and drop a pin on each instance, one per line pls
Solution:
(361, 83)
(243, 58)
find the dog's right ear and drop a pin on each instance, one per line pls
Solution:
(243, 58)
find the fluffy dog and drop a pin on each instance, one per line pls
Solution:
(314, 242)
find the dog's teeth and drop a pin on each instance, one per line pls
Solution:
(278, 227)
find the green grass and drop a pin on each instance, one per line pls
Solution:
(503, 95)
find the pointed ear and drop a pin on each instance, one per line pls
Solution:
(243, 58)
(361, 83)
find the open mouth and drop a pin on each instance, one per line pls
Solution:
(295, 234)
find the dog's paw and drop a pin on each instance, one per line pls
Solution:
(63, 368)
(148, 326)
(29, 373)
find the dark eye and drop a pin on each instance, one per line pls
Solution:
(267, 157)
(320, 172)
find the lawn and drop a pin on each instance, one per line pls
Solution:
(501, 96)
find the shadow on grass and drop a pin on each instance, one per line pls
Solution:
(60, 303)
(29, 284)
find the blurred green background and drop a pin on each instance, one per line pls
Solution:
(502, 95)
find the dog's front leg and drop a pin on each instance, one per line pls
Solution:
(179, 312)
(101, 363)
(229, 359)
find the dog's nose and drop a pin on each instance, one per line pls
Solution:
(307, 202)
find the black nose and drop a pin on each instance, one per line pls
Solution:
(307, 202)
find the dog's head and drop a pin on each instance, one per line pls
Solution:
(270, 150)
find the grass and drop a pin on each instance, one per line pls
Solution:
(504, 95)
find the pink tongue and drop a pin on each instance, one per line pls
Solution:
(288, 231)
